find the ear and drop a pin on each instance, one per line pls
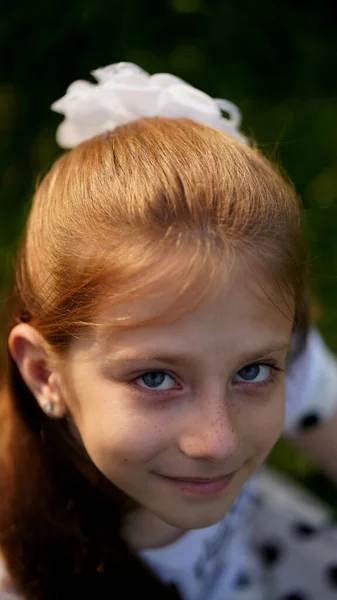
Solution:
(41, 375)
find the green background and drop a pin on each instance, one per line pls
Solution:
(275, 59)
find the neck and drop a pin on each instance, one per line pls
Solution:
(144, 530)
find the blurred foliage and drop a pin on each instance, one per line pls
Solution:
(274, 59)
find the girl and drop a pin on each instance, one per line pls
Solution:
(158, 287)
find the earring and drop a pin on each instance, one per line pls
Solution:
(48, 407)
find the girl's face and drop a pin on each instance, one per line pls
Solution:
(178, 416)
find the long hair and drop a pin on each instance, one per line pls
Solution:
(154, 192)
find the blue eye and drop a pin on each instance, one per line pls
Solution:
(253, 374)
(156, 380)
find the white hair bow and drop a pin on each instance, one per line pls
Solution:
(124, 92)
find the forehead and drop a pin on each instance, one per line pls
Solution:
(237, 308)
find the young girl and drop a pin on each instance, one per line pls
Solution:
(159, 287)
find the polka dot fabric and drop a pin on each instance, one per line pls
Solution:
(311, 387)
(296, 542)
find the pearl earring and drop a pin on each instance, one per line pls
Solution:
(48, 407)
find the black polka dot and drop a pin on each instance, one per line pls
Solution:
(244, 580)
(257, 500)
(331, 574)
(310, 420)
(270, 553)
(303, 529)
(295, 596)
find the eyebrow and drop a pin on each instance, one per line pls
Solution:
(126, 356)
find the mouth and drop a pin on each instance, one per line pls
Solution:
(199, 486)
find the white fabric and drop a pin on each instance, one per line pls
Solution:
(301, 529)
(125, 92)
(311, 384)
(6, 591)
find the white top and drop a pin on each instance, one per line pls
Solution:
(205, 563)
(310, 385)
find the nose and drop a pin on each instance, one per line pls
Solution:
(211, 431)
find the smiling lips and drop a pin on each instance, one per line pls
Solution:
(200, 486)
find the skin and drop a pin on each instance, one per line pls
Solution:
(214, 408)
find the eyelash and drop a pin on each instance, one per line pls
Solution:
(137, 388)
(276, 369)
(260, 384)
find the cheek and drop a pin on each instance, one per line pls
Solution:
(116, 434)
(264, 424)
